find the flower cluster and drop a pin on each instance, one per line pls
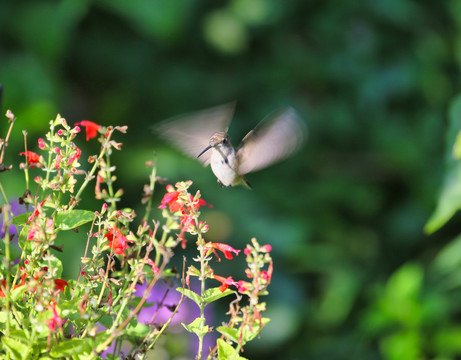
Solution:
(49, 316)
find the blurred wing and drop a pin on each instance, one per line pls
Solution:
(191, 132)
(272, 140)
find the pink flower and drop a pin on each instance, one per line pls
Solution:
(154, 267)
(58, 161)
(41, 143)
(55, 321)
(74, 157)
(266, 248)
(226, 249)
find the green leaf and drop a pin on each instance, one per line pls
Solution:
(214, 294)
(191, 295)
(71, 347)
(73, 218)
(249, 332)
(231, 334)
(16, 349)
(139, 330)
(196, 327)
(450, 198)
(227, 352)
(21, 220)
(106, 321)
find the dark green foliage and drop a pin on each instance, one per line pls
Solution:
(355, 275)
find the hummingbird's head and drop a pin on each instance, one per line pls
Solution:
(220, 139)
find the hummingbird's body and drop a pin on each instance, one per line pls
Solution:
(224, 162)
(275, 138)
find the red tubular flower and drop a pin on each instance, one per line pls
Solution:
(154, 267)
(225, 282)
(117, 241)
(60, 284)
(199, 203)
(91, 128)
(36, 212)
(32, 158)
(226, 249)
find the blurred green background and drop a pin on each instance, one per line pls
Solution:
(376, 81)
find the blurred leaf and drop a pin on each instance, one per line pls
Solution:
(449, 258)
(446, 340)
(20, 220)
(251, 12)
(163, 20)
(341, 291)
(450, 197)
(71, 347)
(15, 349)
(139, 330)
(402, 345)
(225, 32)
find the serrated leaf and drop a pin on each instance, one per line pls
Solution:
(191, 295)
(73, 218)
(196, 327)
(21, 219)
(214, 294)
(71, 347)
(16, 349)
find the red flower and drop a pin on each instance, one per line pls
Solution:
(60, 284)
(225, 282)
(199, 203)
(154, 267)
(32, 158)
(36, 212)
(117, 241)
(76, 156)
(3, 285)
(226, 249)
(171, 198)
(91, 128)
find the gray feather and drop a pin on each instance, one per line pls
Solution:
(273, 139)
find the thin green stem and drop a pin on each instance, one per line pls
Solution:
(110, 187)
(89, 177)
(152, 177)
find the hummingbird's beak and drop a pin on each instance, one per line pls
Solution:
(204, 150)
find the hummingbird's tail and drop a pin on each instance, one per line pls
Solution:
(246, 184)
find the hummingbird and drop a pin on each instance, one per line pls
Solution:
(203, 135)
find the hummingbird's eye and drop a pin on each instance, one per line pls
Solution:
(224, 141)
